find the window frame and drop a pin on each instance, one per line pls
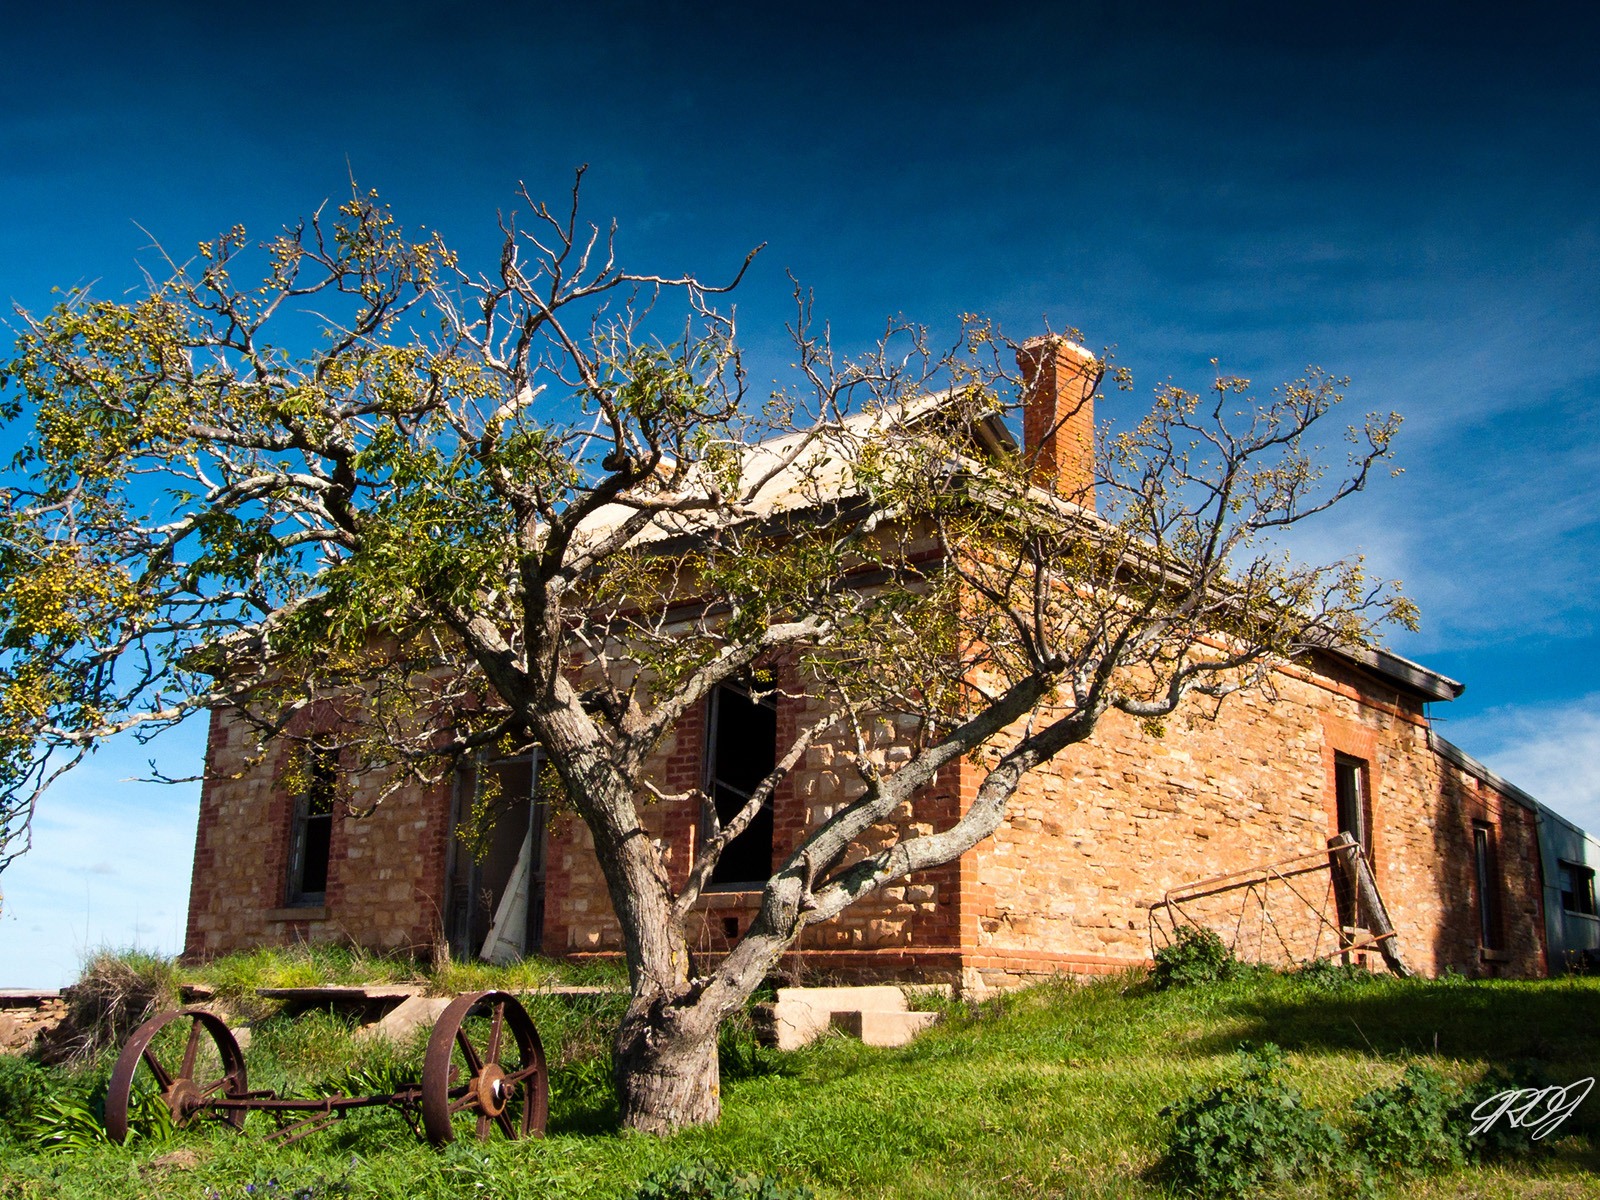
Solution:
(321, 793)
(1356, 803)
(1487, 884)
(1348, 766)
(1577, 874)
(714, 785)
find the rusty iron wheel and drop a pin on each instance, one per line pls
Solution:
(174, 1073)
(466, 1071)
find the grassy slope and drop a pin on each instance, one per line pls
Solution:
(1051, 1092)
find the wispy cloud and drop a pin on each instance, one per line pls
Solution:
(1548, 750)
(110, 866)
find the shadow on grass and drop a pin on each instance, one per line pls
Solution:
(1495, 1023)
(1534, 1033)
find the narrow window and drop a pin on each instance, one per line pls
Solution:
(741, 751)
(1577, 888)
(312, 832)
(1354, 817)
(1487, 871)
(1350, 788)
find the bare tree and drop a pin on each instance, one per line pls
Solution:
(499, 510)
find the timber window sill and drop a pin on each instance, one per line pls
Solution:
(307, 912)
(728, 894)
(1493, 956)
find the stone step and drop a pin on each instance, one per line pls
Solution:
(801, 1015)
(883, 1028)
(412, 1013)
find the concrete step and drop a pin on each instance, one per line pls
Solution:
(883, 1028)
(801, 1015)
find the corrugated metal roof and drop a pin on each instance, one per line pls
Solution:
(810, 468)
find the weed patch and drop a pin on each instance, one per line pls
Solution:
(1251, 1130)
(1410, 1128)
(1193, 957)
(707, 1181)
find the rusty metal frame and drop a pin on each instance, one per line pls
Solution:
(483, 1094)
(1342, 852)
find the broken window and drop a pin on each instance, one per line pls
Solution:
(496, 872)
(312, 832)
(1486, 869)
(741, 751)
(1354, 817)
(1350, 788)
(1577, 888)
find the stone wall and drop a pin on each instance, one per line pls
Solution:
(27, 1016)
(385, 871)
(872, 939)
(1089, 845)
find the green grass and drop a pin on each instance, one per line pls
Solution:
(1050, 1092)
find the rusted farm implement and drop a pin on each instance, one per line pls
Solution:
(1359, 921)
(467, 1077)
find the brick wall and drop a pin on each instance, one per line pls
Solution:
(870, 939)
(385, 871)
(1089, 845)
(1067, 884)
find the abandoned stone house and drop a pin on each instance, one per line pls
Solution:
(1102, 849)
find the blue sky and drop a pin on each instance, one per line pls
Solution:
(1404, 194)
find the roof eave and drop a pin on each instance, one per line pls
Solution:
(1413, 677)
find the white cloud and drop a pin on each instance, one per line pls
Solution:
(1551, 751)
(110, 866)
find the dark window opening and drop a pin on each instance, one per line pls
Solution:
(312, 833)
(496, 872)
(1577, 888)
(1355, 818)
(1350, 787)
(1486, 869)
(741, 751)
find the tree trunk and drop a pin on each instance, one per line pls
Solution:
(666, 1070)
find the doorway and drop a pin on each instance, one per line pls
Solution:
(496, 873)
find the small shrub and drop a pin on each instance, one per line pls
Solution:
(71, 1118)
(708, 1181)
(68, 1123)
(1408, 1126)
(1251, 1130)
(1502, 1140)
(1326, 975)
(1195, 956)
(24, 1085)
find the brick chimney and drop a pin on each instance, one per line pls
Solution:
(1059, 379)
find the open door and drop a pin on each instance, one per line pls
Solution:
(495, 892)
